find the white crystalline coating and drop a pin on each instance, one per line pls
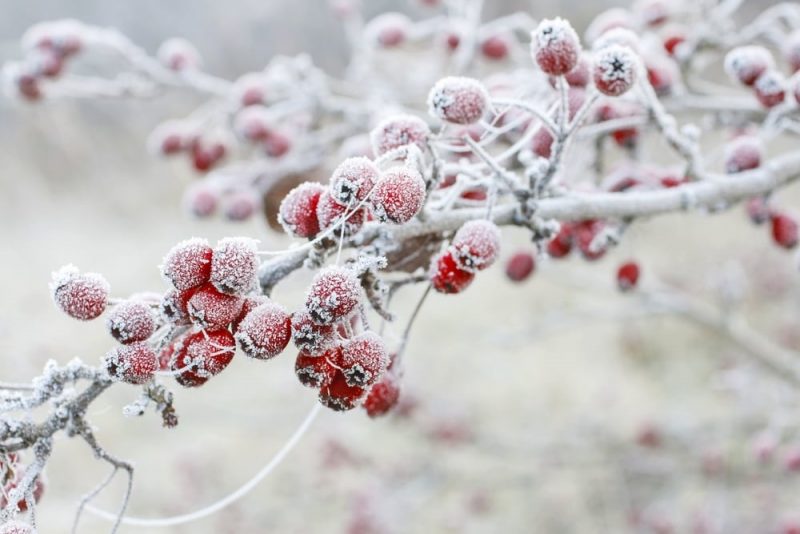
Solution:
(135, 363)
(743, 153)
(745, 64)
(476, 245)
(209, 308)
(265, 331)
(250, 88)
(201, 200)
(298, 210)
(364, 359)
(399, 130)
(458, 100)
(399, 195)
(771, 83)
(179, 54)
(188, 264)
(54, 33)
(614, 70)
(353, 179)
(253, 123)
(16, 527)
(310, 337)
(234, 265)
(201, 355)
(81, 296)
(620, 37)
(330, 213)
(356, 145)
(388, 29)
(555, 46)
(131, 321)
(334, 294)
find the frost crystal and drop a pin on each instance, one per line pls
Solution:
(458, 100)
(234, 265)
(397, 131)
(17, 527)
(179, 54)
(388, 29)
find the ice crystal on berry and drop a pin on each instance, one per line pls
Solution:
(83, 296)
(458, 100)
(234, 265)
(265, 331)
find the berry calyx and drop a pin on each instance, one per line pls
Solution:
(234, 265)
(298, 210)
(555, 46)
(135, 363)
(131, 321)
(82, 296)
(446, 276)
(209, 308)
(476, 245)
(334, 294)
(265, 331)
(364, 359)
(398, 195)
(188, 264)
(614, 70)
(458, 100)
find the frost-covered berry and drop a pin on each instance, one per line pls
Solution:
(16, 527)
(607, 21)
(791, 50)
(135, 363)
(628, 275)
(614, 70)
(265, 331)
(234, 265)
(580, 75)
(209, 308)
(82, 296)
(364, 359)
(22, 504)
(174, 307)
(339, 396)
(745, 64)
(250, 89)
(388, 29)
(207, 152)
(495, 47)
(399, 130)
(555, 46)
(542, 142)
(131, 321)
(742, 154)
(277, 144)
(476, 245)
(298, 210)
(200, 355)
(398, 195)
(770, 88)
(250, 303)
(170, 138)
(784, 230)
(623, 37)
(758, 210)
(561, 244)
(446, 276)
(310, 337)
(382, 397)
(334, 294)
(674, 37)
(662, 73)
(458, 100)
(653, 12)
(316, 371)
(331, 214)
(520, 266)
(201, 200)
(353, 180)
(178, 54)
(188, 264)
(253, 123)
(585, 233)
(240, 205)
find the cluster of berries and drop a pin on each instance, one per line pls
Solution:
(474, 247)
(754, 66)
(11, 475)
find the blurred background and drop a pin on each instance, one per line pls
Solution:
(570, 411)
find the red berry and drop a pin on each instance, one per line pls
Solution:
(476, 245)
(561, 244)
(240, 205)
(555, 46)
(178, 54)
(784, 230)
(399, 195)
(397, 131)
(81, 296)
(131, 321)
(335, 293)
(250, 303)
(364, 359)
(458, 100)
(495, 47)
(174, 306)
(742, 154)
(201, 355)
(234, 265)
(22, 504)
(758, 210)
(253, 124)
(338, 395)
(542, 142)
(585, 233)
(614, 70)
(383, 396)
(316, 371)
(353, 180)
(17, 527)
(277, 144)
(389, 29)
(447, 277)
(298, 211)
(310, 337)
(188, 264)
(627, 276)
(672, 42)
(208, 308)
(169, 138)
(746, 64)
(791, 459)
(201, 200)
(135, 363)
(770, 88)
(520, 266)
(579, 76)
(791, 50)
(662, 75)
(206, 153)
(28, 87)
(330, 214)
(265, 331)
(249, 89)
